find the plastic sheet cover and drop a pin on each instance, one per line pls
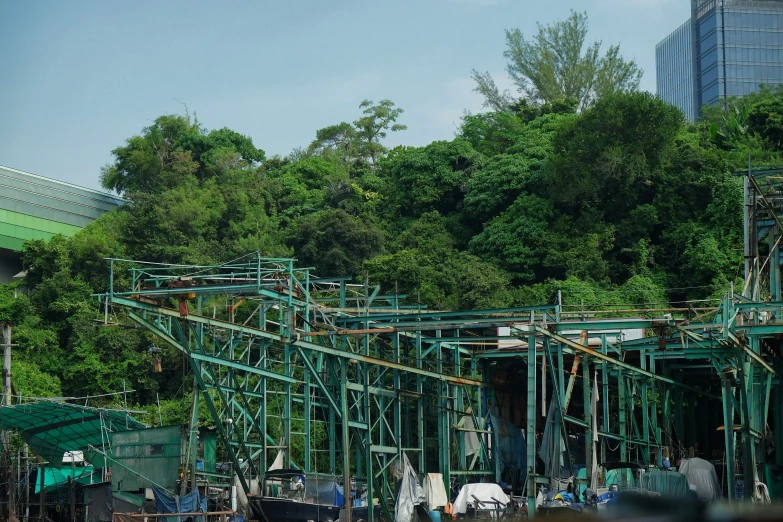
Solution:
(702, 476)
(98, 499)
(512, 450)
(325, 491)
(435, 491)
(190, 503)
(667, 483)
(471, 438)
(548, 442)
(411, 494)
(488, 493)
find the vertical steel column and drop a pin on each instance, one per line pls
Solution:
(655, 390)
(264, 360)
(397, 401)
(557, 425)
(774, 263)
(367, 404)
(745, 375)
(459, 405)
(588, 416)
(287, 405)
(604, 395)
(728, 425)
(531, 426)
(623, 424)
(746, 209)
(307, 428)
(346, 415)
(420, 406)
(645, 411)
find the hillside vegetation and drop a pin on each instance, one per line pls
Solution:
(622, 202)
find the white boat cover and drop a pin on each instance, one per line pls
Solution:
(434, 491)
(484, 492)
(702, 476)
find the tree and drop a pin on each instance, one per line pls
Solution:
(173, 149)
(555, 65)
(372, 127)
(334, 242)
(610, 154)
(428, 178)
(362, 139)
(515, 239)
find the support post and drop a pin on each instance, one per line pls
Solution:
(346, 415)
(531, 426)
(588, 416)
(623, 424)
(728, 425)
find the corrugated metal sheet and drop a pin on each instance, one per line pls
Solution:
(34, 207)
(154, 455)
(42, 185)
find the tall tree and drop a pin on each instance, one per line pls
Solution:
(555, 65)
(371, 128)
(173, 149)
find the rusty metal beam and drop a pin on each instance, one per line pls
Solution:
(299, 343)
(621, 364)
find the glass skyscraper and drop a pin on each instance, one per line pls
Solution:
(732, 46)
(674, 69)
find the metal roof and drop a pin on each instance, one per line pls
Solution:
(54, 428)
(35, 207)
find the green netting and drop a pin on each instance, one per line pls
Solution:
(668, 483)
(54, 479)
(54, 428)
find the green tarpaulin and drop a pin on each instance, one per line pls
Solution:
(54, 428)
(667, 483)
(55, 479)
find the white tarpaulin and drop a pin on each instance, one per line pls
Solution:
(410, 495)
(471, 438)
(242, 503)
(278, 463)
(701, 475)
(594, 413)
(488, 493)
(434, 491)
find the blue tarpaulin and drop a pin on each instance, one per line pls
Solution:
(190, 503)
(511, 450)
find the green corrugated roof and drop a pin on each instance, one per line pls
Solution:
(51, 200)
(54, 428)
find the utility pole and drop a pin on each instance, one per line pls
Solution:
(7, 364)
(5, 438)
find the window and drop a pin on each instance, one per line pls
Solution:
(154, 449)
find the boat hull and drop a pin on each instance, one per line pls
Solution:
(361, 513)
(269, 509)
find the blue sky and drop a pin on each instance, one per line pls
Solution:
(79, 77)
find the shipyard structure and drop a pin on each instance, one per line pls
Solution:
(335, 397)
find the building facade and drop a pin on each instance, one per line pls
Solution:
(34, 207)
(674, 69)
(733, 46)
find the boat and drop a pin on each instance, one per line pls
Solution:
(295, 496)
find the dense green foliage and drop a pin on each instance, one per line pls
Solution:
(556, 64)
(623, 202)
